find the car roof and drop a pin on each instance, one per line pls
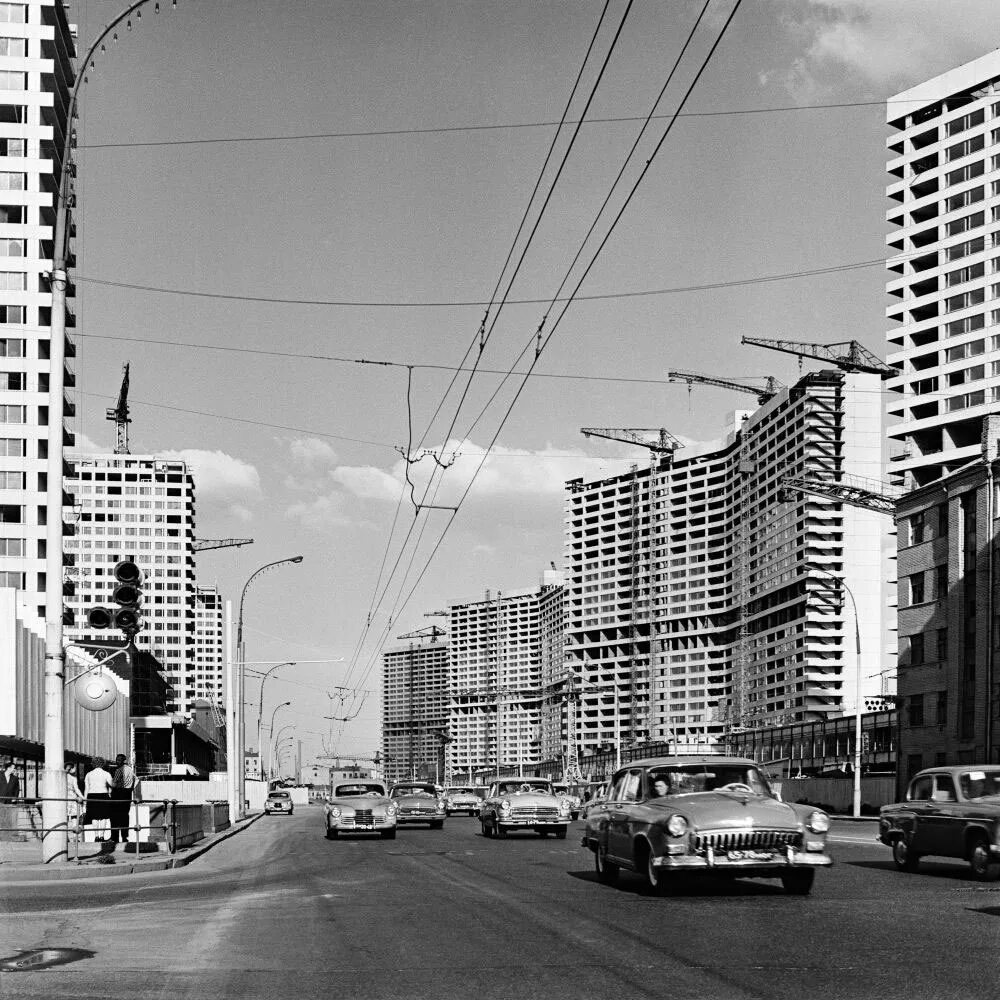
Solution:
(687, 759)
(955, 769)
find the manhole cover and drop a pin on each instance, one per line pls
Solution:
(43, 958)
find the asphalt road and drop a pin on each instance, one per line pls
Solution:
(279, 912)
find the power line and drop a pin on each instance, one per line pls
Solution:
(474, 127)
(463, 303)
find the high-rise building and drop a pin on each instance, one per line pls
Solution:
(37, 48)
(415, 678)
(944, 194)
(496, 677)
(698, 600)
(205, 676)
(142, 508)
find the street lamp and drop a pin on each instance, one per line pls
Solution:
(856, 798)
(270, 729)
(276, 738)
(240, 722)
(55, 833)
(260, 707)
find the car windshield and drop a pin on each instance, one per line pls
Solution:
(517, 787)
(461, 791)
(401, 790)
(344, 790)
(278, 795)
(982, 783)
(681, 779)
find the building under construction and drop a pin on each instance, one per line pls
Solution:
(702, 599)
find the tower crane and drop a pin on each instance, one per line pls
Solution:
(664, 442)
(848, 355)
(856, 491)
(119, 414)
(204, 544)
(771, 386)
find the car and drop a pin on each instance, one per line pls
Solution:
(523, 804)
(949, 812)
(278, 802)
(418, 802)
(572, 793)
(461, 799)
(597, 794)
(360, 807)
(667, 817)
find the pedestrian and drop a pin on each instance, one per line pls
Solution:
(97, 789)
(75, 799)
(124, 789)
(10, 792)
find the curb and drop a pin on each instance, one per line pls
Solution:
(28, 874)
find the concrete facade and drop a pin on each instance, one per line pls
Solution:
(944, 193)
(139, 507)
(205, 676)
(37, 48)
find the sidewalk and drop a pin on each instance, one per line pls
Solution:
(19, 860)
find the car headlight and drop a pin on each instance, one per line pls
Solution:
(335, 811)
(440, 806)
(505, 806)
(564, 806)
(818, 822)
(677, 825)
(391, 809)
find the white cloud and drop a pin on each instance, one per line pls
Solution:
(367, 482)
(312, 452)
(887, 44)
(322, 513)
(88, 446)
(221, 479)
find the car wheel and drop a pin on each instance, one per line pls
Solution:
(437, 824)
(560, 833)
(542, 833)
(798, 882)
(574, 816)
(500, 831)
(487, 831)
(331, 834)
(983, 867)
(902, 857)
(607, 871)
(388, 834)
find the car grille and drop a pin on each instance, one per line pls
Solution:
(539, 811)
(418, 811)
(741, 840)
(362, 816)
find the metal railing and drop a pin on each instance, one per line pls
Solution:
(75, 827)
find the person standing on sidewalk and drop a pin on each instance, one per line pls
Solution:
(97, 789)
(10, 792)
(124, 789)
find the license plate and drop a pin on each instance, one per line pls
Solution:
(364, 826)
(750, 855)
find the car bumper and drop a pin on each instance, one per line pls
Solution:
(745, 861)
(349, 826)
(423, 818)
(533, 821)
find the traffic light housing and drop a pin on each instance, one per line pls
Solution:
(127, 595)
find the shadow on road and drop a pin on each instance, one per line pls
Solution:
(954, 871)
(702, 886)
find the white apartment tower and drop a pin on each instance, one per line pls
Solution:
(415, 678)
(496, 678)
(37, 48)
(139, 507)
(944, 267)
(699, 601)
(205, 676)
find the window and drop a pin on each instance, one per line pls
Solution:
(966, 223)
(13, 13)
(12, 315)
(915, 709)
(12, 447)
(11, 513)
(969, 197)
(968, 324)
(12, 248)
(941, 715)
(942, 644)
(971, 350)
(940, 582)
(966, 173)
(12, 80)
(11, 347)
(917, 588)
(15, 580)
(971, 120)
(13, 281)
(960, 149)
(917, 527)
(11, 180)
(970, 298)
(13, 546)
(10, 414)
(960, 250)
(916, 649)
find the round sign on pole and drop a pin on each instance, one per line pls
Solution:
(95, 691)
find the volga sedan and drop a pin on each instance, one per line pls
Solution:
(524, 804)
(666, 817)
(418, 802)
(360, 807)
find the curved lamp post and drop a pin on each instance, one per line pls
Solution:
(260, 707)
(270, 729)
(240, 722)
(274, 744)
(54, 812)
(856, 797)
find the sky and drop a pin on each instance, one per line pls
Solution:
(271, 192)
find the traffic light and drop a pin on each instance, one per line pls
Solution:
(127, 595)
